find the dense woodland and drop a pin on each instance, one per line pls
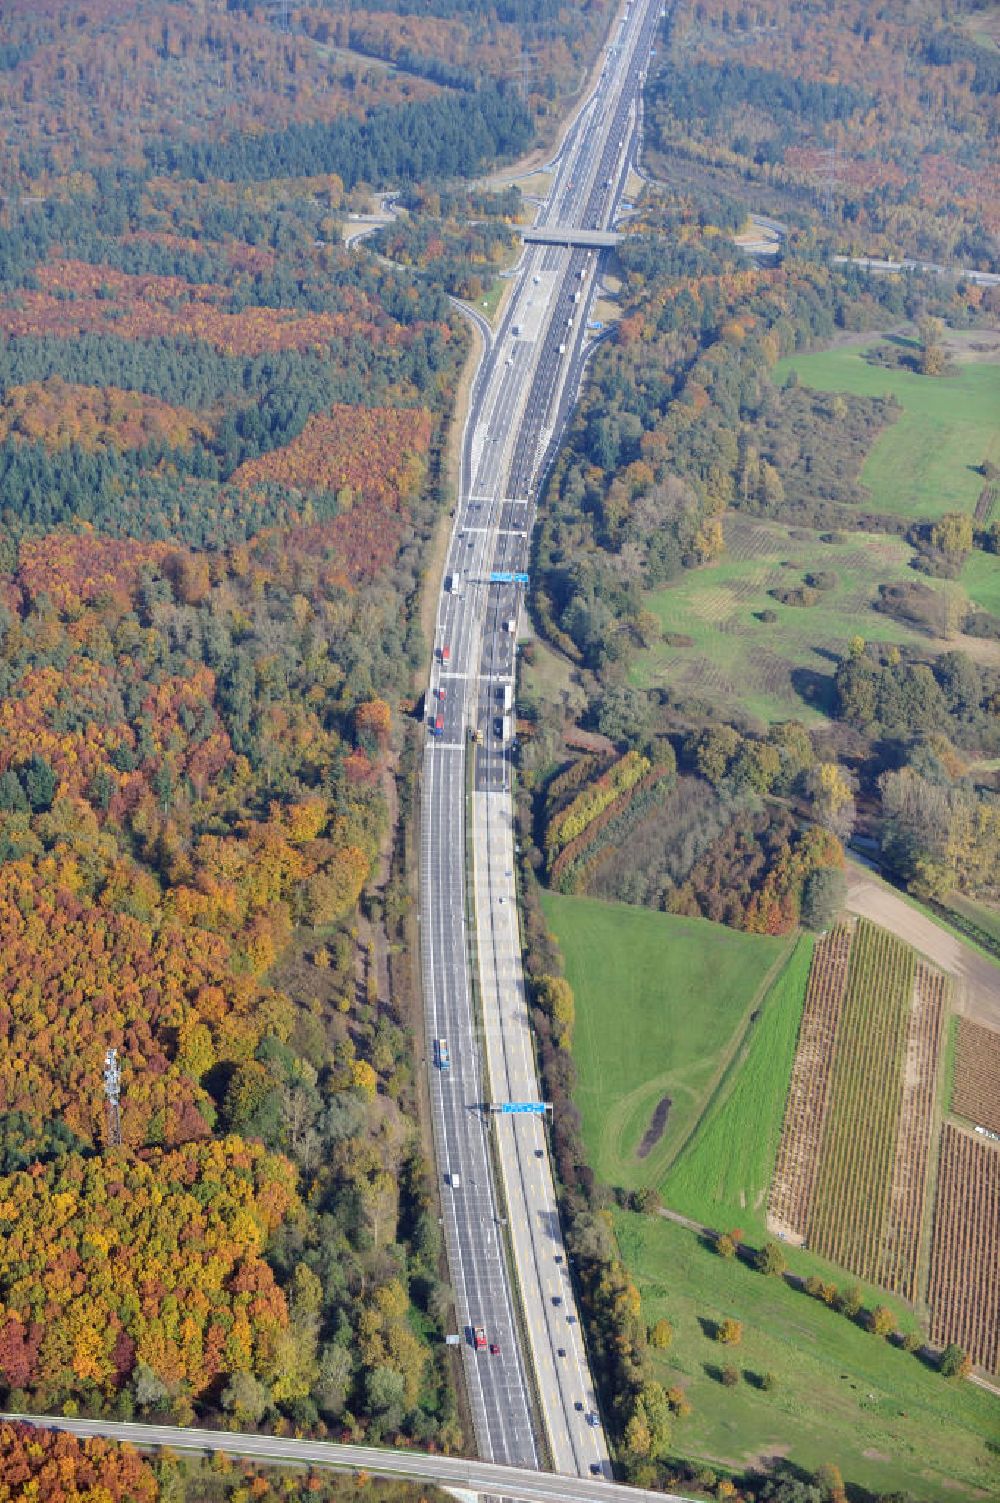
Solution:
(45, 1466)
(243, 89)
(220, 462)
(887, 120)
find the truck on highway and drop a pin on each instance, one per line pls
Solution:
(437, 725)
(456, 582)
(479, 1338)
(508, 698)
(443, 1056)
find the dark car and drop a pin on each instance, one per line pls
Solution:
(578, 1406)
(557, 1299)
(539, 1153)
(495, 1348)
(561, 1351)
(596, 1470)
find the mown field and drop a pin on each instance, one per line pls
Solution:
(924, 464)
(888, 1421)
(660, 1004)
(980, 578)
(723, 1174)
(776, 669)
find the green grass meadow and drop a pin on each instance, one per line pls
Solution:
(924, 464)
(980, 578)
(661, 1003)
(782, 669)
(842, 1395)
(723, 1174)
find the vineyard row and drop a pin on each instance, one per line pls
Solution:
(964, 1292)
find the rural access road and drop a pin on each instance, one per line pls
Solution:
(978, 977)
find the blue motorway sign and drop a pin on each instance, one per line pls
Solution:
(533, 1108)
(501, 576)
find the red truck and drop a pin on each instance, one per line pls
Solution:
(479, 1338)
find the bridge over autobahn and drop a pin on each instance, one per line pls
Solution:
(456, 1474)
(553, 234)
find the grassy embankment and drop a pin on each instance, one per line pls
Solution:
(842, 1395)
(662, 1003)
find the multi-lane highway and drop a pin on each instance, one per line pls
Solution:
(530, 1387)
(455, 1473)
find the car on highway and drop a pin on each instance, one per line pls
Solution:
(557, 1299)
(560, 1351)
(578, 1406)
(494, 1348)
(596, 1470)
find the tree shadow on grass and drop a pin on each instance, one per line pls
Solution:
(815, 689)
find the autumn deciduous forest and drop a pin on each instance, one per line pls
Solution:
(221, 437)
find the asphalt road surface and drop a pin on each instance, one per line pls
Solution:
(452, 1472)
(530, 1387)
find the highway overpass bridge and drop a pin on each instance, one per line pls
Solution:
(456, 1474)
(553, 234)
